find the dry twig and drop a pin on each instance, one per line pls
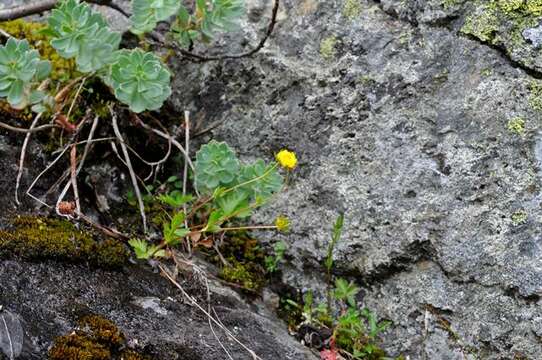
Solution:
(209, 316)
(23, 154)
(130, 168)
(34, 8)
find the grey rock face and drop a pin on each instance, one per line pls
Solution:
(402, 124)
(48, 299)
(400, 118)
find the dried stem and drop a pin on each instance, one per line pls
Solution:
(23, 154)
(130, 168)
(210, 316)
(26, 131)
(34, 8)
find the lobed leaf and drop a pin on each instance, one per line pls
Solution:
(147, 13)
(20, 71)
(139, 80)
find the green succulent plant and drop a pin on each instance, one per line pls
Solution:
(81, 33)
(20, 70)
(139, 80)
(210, 17)
(216, 165)
(147, 13)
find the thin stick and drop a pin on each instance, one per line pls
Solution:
(185, 178)
(75, 99)
(209, 319)
(21, 158)
(5, 34)
(26, 131)
(174, 142)
(21, 11)
(12, 353)
(130, 168)
(200, 308)
(62, 152)
(73, 173)
(106, 230)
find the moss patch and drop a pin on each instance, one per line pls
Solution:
(519, 217)
(95, 339)
(501, 22)
(41, 238)
(535, 95)
(516, 125)
(351, 9)
(245, 259)
(327, 48)
(62, 69)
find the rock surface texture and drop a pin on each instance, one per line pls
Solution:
(424, 130)
(419, 119)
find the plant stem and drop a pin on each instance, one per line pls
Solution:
(255, 227)
(251, 180)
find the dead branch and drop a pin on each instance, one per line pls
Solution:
(34, 8)
(26, 131)
(168, 137)
(130, 168)
(21, 158)
(209, 316)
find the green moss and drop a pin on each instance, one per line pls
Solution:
(486, 72)
(450, 3)
(239, 273)
(62, 69)
(535, 95)
(516, 125)
(77, 347)
(534, 7)
(511, 5)
(327, 48)
(41, 238)
(519, 217)
(351, 9)
(101, 330)
(246, 262)
(96, 338)
(503, 21)
(484, 24)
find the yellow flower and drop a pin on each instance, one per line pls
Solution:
(287, 159)
(282, 223)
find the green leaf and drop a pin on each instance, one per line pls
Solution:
(139, 80)
(147, 13)
(214, 222)
(175, 199)
(337, 230)
(261, 180)
(346, 291)
(16, 93)
(43, 70)
(233, 202)
(210, 16)
(20, 71)
(177, 220)
(216, 165)
(78, 32)
(37, 96)
(140, 247)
